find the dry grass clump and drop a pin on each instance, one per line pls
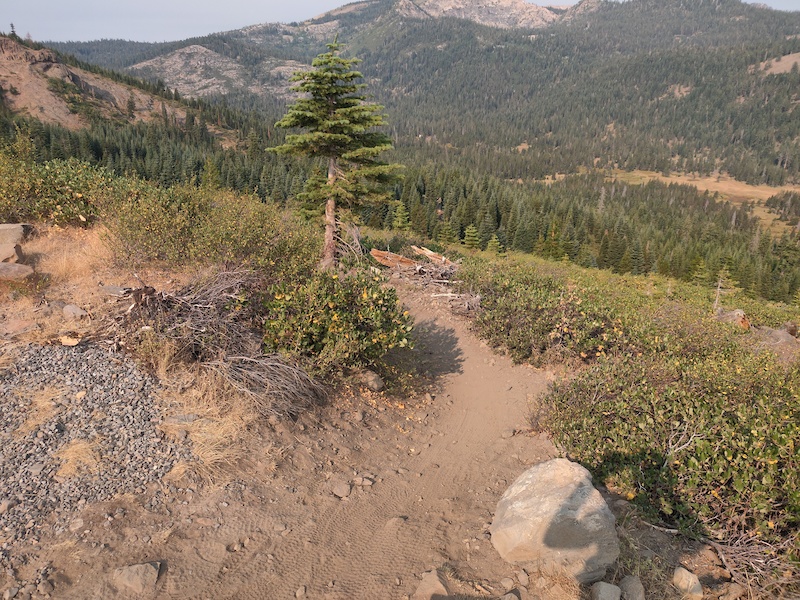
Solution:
(219, 421)
(70, 255)
(208, 326)
(77, 457)
(41, 408)
(220, 386)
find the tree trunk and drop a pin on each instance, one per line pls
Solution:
(329, 247)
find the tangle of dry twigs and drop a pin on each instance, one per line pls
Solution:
(209, 325)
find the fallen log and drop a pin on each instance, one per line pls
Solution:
(433, 256)
(390, 259)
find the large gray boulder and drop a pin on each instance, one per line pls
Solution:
(554, 517)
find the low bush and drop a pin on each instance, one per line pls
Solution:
(59, 192)
(538, 319)
(184, 224)
(708, 444)
(333, 321)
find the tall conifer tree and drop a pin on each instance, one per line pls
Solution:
(340, 128)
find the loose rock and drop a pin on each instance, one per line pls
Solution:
(139, 579)
(433, 585)
(553, 515)
(605, 591)
(507, 583)
(632, 588)
(14, 271)
(101, 401)
(14, 327)
(7, 505)
(45, 587)
(687, 583)
(372, 380)
(10, 253)
(341, 489)
(74, 313)
(10, 593)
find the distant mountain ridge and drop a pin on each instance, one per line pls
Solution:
(492, 13)
(655, 84)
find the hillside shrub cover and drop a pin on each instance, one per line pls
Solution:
(324, 321)
(335, 320)
(59, 192)
(686, 416)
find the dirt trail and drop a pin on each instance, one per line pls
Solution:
(436, 477)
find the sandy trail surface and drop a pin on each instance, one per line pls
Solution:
(420, 478)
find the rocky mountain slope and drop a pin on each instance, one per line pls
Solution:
(196, 71)
(37, 84)
(494, 13)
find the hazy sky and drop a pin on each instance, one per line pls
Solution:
(168, 20)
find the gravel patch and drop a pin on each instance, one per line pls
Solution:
(77, 425)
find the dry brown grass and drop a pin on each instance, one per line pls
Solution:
(731, 190)
(655, 573)
(774, 66)
(41, 408)
(69, 255)
(220, 427)
(78, 457)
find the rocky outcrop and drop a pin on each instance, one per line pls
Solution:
(493, 13)
(737, 317)
(553, 516)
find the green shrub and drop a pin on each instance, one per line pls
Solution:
(689, 417)
(331, 321)
(151, 223)
(184, 224)
(707, 443)
(60, 192)
(539, 319)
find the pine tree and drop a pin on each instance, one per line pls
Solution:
(494, 245)
(401, 221)
(471, 239)
(340, 127)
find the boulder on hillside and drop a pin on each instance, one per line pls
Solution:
(553, 516)
(14, 233)
(737, 317)
(10, 253)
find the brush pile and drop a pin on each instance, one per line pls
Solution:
(211, 325)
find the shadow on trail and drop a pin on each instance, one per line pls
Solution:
(438, 350)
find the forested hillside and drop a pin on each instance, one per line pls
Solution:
(667, 86)
(480, 114)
